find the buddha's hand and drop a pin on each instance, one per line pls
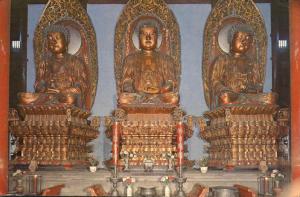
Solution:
(151, 90)
(52, 90)
(40, 86)
(74, 90)
(255, 88)
(228, 97)
(168, 87)
(127, 87)
(41, 70)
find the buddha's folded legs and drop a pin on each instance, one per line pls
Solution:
(261, 98)
(127, 98)
(49, 98)
(170, 98)
(134, 98)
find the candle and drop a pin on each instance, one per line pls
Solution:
(180, 143)
(115, 142)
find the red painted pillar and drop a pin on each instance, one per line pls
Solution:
(295, 86)
(4, 73)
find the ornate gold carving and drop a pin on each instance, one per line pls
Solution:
(53, 135)
(71, 15)
(120, 114)
(178, 114)
(95, 122)
(136, 11)
(241, 136)
(228, 12)
(148, 140)
(190, 122)
(108, 121)
(201, 123)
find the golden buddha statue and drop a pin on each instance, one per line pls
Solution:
(57, 114)
(62, 78)
(240, 126)
(234, 75)
(148, 75)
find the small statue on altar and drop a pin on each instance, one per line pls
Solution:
(33, 166)
(148, 164)
(62, 77)
(148, 75)
(171, 164)
(234, 78)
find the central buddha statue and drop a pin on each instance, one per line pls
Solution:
(148, 75)
(62, 77)
(234, 77)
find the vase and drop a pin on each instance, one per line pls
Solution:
(19, 185)
(167, 191)
(203, 169)
(93, 168)
(147, 191)
(276, 184)
(129, 190)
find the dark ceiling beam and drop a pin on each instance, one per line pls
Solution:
(125, 1)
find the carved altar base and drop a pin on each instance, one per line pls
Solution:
(77, 181)
(55, 134)
(241, 136)
(148, 134)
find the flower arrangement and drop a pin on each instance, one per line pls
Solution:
(93, 161)
(148, 159)
(128, 180)
(203, 162)
(126, 154)
(170, 156)
(18, 173)
(206, 147)
(167, 179)
(277, 175)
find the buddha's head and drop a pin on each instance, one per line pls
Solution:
(148, 35)
(57, 39)
(241, 38)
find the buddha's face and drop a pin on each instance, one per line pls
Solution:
(148, 38)
(56, 42)
(241, 42)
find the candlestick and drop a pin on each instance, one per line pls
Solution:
(115, 157)
(35, 184)
(180, 156)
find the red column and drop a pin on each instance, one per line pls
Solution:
(4, 73)
(295, 86)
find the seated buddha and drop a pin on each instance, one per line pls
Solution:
(234, 78)
(62, 77)
(148, 75)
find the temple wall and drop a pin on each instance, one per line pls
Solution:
(191, 19)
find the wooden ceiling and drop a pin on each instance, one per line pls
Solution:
(125, 1)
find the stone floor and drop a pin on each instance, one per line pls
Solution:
(77, 180)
